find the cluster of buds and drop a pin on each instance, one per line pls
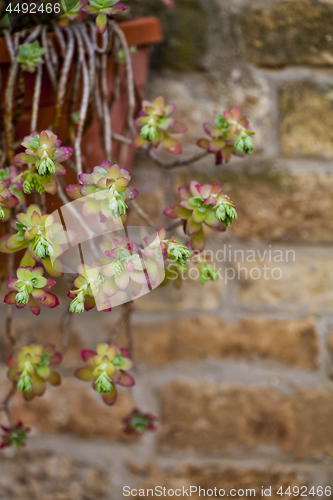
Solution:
(106, 368)
(137, 422)
(229, 135)
(30, 287)
(202, 205)
(156, 123)
(104, 191)
(88, 289)
(44, 155)
(31, 366)
(15, 435)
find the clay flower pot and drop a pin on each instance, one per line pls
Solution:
(141, 33)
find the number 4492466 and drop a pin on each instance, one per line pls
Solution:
(304, 491)
(33, 8)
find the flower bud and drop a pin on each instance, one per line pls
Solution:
(25, 383)
(178, 253)
(207, 272)
(22, 296)
(45, 167)
(33, 182)
(42, 247)
(225, 213)
(244, 144)
(103, 384)
(149, 132)
(117, 206)
(2, 213)
(77, 304)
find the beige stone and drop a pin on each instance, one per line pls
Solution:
(193, 339)
(206, 417)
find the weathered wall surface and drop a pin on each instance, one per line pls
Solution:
(240, 371)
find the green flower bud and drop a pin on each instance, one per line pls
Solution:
(77, 304)
(119, 266)
(149, 132)
(45, 166)
(244, 144)
(2, 213)
(207, 272)
(222, 123)
(25, 382)
(103, 384)
(225, 213)
(42, 247)
(117, 206)
(22, 296)
(178, 253)
(32, 182)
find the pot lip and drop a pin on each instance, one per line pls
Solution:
(139, 31)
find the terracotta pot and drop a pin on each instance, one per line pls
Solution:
(142, 33)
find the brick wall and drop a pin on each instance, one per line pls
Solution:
(239, 371)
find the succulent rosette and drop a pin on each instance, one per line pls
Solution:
(88, 290)
(44, 156)
(124, 269)
(41, 242)
(30, 56)
(228, 136)
(15, 435)
(138, 423)
(106, 367)
(16, 182)
(202, 205)
(104, 191)
(104, 8)
(7, 199)
(32, 366)
(157, 123)
(32, 288)
(73, 15)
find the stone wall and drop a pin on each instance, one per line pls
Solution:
(239, 372)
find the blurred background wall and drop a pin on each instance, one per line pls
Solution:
(239, 372)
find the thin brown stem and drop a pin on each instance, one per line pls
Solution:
(5, 404)
(106, 113)
(129, 74)
(48, 60)
(62, 87)
(36, 98)
(177, 163)
(127, 310)
(84, 103)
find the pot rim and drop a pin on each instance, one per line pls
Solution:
(140, 31)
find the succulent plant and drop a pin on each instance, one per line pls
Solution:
(31, 366)
(30, 56)
(43, 154)
(229, 135)
(104, 8)
(72, 14)
(32, 234)
(202, 205)
(7, 199)
(138, 422)
(156, 123)
(104, 191)
(88, 289)
(30, 287)
(106, 367)
(15, 435)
